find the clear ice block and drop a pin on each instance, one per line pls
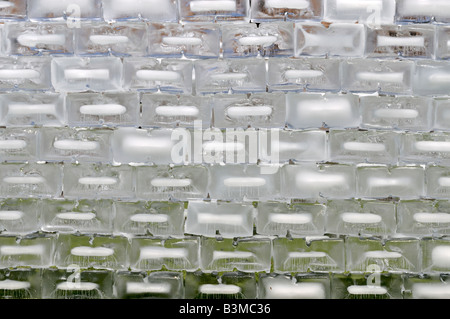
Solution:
(442, 42)
(75, 144)
(441, 114)
(336, 39)
(19, 215)
(371, 285)
(13, 9)
(425, 148)
(259, 110)
(314, 110)
(406, 182)
(363, 146)
(300, 74)
(20, 283)
(230, 76)
(171, 183)
(213, 10)
(294, 219)
(98, 181)
(268, 40)
(413, 113)
(102, 109)
(25, 73)
(149, 218)
(38, 109)
(426, 286)
(435, 254)
(167, 75)
(227, 219)
(172, 254)
(248, 254)
(170, 110)
(71, 10)
(152, 10)
(84, 216)
(431, 78)
(30, 180)
(311, 181)
(438, 181)
(272, 10)
(423, 11)
(384, 76)
(371, 12)
(119, 39)
(188, 40)
(18, 144)
(76, 74)
(38, 39)
(412, 41)
(320, 254)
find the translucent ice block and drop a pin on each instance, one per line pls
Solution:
(189, 40)
(397, 181)
(435, 255)
(321, 254)
(213, 10)
(19, 216)
(120, 39)
(371, 12)
(84, 216)
(270, 10)
(38, 109)
(363, 146)
(281, 219)
(153, 10)
(174, 183)
(272, 39)
(422, 218)
(315, 181)
(30, 180)
(310, 110)
(21, 283)
(32, 251)
(281, 286)
(423, 11)
(38, 39)
(170, 110)
(97, 252)
(173, 254)
(98, 181)
(384, 76)
(425, 148)
(87, 74)
(412, 113)
(340, 39)
(438, 181)
(148, 74)
(256, 110)
(243, 182)
(13, 9)
(430, 286)
(441, 114)
(415, 41)
(228, 219)
(246, 75)
(442, 42)
(76, 283)
(149, 218)
(102, 109)
(70, 10)
(131, 145)
(248, 254)
(158, 284)
(361, 218)
(18, 144)
(292, 145)
(372, 285)
(70, 144)
(311, 74)
(396, 255)
(25, 73)
(431, 78)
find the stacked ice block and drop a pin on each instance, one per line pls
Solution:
(225, 149)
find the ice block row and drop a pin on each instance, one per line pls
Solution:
(223, 182)
(323, 254)
(363, 11)
(113, 74)
(107, 284)
(282, 39)
(416, 218)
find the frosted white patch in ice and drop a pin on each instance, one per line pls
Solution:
(288, 4)
(440, 256)
(75, 216)
(31, 109)
(236, 112)
(217, 254)
(108, 39)
(397, 113)
(143, 287)
(366, 290)
(432, 218)
(162, 252)
(400, 41)
(432, 146)
(31, 40)
(431, 291)
(18, 74)
(103, 109)
(364, 147)
(104, 180)
(361, 218)
(157, 75)
(11, 215)
(219, 289)
(216, 5)
(82, 74)
(12, 144)
(396, 77)
(171, 182)
(244, 182)
(298, 74)
(76, 145)
(85, 286)
(85, 251)
(181, 41)
(149, 218)
(14, 285)
(169, 111)
(265, 41)
(22, 250)
(385, 182)
(381, 254)
(6, 4)
(228, 76)
(226, 219)
(288, 290)
(24, 180)
(298, 219)
(306, 254)
(444, 182)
